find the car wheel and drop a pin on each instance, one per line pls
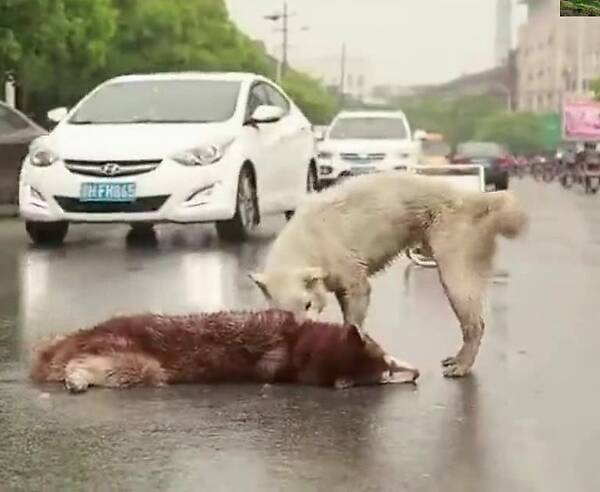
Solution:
(246, 216)
(142, 227)
(47, 233)
(141, 233)
(311, 187)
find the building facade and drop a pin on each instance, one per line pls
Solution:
(548, 50)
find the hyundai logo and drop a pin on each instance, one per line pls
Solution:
(110, 169)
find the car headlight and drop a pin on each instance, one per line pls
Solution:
(202, 155)
(42, 157)
(325, 155)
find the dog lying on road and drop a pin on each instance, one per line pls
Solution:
(267, 347)
(342, 236)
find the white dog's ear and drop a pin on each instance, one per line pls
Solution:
(312, 275)
(261, 281)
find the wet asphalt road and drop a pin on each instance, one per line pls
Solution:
(527, 419)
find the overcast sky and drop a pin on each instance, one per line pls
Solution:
(407, 41)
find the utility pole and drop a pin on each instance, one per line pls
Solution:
(342, 75)
(284, 58)
(282, 64)
(580, 44)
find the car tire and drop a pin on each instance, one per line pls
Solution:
(501, 183)
(141, 233)
(312, 185)
(141, 229)
(246, 216)
(47, 233)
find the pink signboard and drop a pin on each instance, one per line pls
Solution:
(581, 120)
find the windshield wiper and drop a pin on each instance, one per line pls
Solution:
(150, 120)
(81, 122)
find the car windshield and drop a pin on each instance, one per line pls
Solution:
(480, 149)
(164, 101)
(368, 128)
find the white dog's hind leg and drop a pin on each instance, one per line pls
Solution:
(464, 284)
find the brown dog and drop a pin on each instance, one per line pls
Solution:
(269, 347)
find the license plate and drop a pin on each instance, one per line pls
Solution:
(363, 170)
(107, 192)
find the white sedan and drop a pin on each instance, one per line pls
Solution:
(184, 147)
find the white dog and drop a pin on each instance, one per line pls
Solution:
(349, 232)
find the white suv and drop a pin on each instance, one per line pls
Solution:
(360, 142)
(181, 147)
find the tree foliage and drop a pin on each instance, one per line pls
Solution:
(60, 49)
(579, 7)
(54, 47)
(522, 133)
(457, 119)
(475, 118)
(317, 103)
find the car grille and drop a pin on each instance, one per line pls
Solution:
(111, 169)
(362, 158)
(143, 204)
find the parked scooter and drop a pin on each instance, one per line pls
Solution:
(588, 162)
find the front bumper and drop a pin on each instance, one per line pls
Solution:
(332, 170)
(169, 193)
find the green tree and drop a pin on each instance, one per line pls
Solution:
(60, 49)
(54, 47)
(458, 119)
(520, 132)
(317, 103)
(579, 7)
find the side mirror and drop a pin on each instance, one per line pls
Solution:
(419, 135)
(267, 114)
(57, 114)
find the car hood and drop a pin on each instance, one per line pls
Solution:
(136, 141)
(367, 146)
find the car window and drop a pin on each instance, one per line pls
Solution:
(257, 97)
(368, 127)
(276, 98)
(11, 121)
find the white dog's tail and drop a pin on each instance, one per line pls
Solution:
(506, 213)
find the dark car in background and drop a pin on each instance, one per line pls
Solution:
(494, 158)
(16, 133)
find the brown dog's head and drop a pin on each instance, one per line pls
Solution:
(344, 356)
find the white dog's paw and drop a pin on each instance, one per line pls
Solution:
(456, 370)
(448, 361)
